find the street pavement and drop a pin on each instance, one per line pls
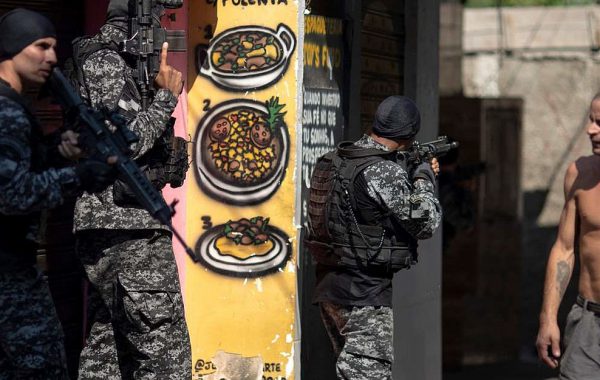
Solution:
(502, 371)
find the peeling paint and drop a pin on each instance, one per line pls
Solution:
(258, 283)
(275, 339)
(289, 366)
(236, 367)
(291, 267)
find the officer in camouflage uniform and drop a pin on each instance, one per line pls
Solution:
(31, 339)
(136, 315)
(366, 212)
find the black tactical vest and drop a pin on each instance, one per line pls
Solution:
(339, 234)
(17, 240)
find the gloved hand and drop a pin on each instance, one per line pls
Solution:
(95, 176)
(424, 171)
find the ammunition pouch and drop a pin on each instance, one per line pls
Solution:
(166, 163)
(177, 163)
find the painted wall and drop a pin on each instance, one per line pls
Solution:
(240, 196)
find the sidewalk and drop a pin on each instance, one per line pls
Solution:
(502, 371)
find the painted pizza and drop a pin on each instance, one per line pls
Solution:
(244, 248)
(242, 149)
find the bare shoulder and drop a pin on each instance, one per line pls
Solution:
(583, 173)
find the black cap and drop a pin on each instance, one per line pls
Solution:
(19, 28)
(397, 118)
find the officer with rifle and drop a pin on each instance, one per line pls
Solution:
(136, 321)
(370, 201)
(33, 178)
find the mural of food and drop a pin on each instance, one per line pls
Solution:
(248, 57)
(244, 248)
(242, 149)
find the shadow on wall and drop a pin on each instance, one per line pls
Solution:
(481, 265)
(458, 337)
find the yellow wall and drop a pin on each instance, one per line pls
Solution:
(240, 299)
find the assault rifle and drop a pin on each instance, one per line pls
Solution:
(145, 41)
(99, 140)
(422, 152)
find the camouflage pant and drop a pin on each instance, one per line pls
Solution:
(31, 338)
(138, 330)
(361, 337)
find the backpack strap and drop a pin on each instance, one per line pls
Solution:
(349, 150)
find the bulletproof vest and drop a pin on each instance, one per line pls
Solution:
(167, 161)
(17, 231)
(339, 234)
(83, 47)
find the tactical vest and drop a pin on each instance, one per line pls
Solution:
(16, 240)
(167, 161)
(338, 235)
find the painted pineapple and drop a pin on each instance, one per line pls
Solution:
(262, 132)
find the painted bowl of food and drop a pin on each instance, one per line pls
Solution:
(248, 57)
(244, 248)
(242, 151)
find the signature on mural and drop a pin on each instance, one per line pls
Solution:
(241, 152)
(248, 57)
(244, 248)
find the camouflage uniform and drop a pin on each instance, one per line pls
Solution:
(138, 330)
(356, 306)
(31, 338)
(360, 355)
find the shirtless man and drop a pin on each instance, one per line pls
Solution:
(579, 224)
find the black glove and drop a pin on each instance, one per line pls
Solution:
(424, 171)
(95, 176)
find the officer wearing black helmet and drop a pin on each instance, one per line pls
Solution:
(366, 212)
(136, 316)
(31, 339)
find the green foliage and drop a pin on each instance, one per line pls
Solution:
(525, 3)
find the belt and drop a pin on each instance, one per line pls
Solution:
(588, 305)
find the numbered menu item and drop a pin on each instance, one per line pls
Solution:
(242, 149)
(244, 248)
(248, 57)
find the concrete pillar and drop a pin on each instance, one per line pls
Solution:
(417, 292)
(353, 16)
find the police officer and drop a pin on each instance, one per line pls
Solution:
(31, 339)
(136, 316)
(366, 212)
